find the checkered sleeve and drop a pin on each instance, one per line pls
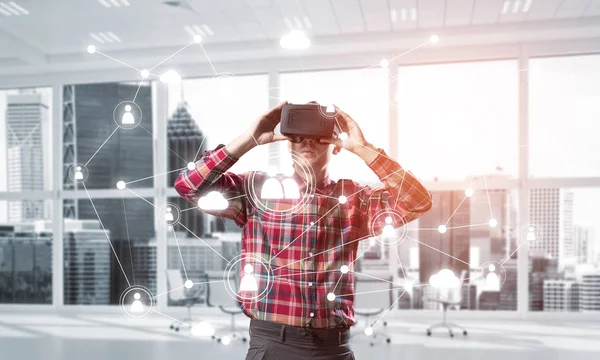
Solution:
(210, 174)
(401, 194)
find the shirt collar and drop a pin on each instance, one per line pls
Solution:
(302, 183)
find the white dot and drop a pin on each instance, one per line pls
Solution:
(442, 229)
(312, 314)
(312, 223)
(91, 49)
(121, 185)
(225, 340)
(384, 63)
(127, 107)
(469, 192)
(248, 268)
(344, 269)
(342, 199)
(136, 296)
(188, 284)
(434, 39)
(331, 296)
(79, 168)
(388, 220)
(145, 73)
(369, 331)
(197, 39)
(493, 222)
(191, 166)
(343, 136)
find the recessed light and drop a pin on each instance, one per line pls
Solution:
(91, 49)
(505, 6)
(207, 29)
(526, 6)
(105, 37)
(516, 6)
(114, 3)
(198, 30)
(11, 8)
(298, 23)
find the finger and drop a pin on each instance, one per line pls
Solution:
(334, 141)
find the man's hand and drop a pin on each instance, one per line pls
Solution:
(355, 142)
(262, 131)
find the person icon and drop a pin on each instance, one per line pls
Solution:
(329, 109)
(136, 305)
(127, 118)
(492, 283)
(531, 234)
(388, 229)
(272, 188)
(169, 214)
(248, 281)
(78, 173)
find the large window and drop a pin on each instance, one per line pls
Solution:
(26, 166)
(458, 120)
(564, 247)
(563, 116)
(362, 93)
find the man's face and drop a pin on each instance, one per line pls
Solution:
(315, 154)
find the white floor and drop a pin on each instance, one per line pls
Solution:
(52, 337)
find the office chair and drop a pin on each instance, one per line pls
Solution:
(446, 303)
(222, 298)
(181, 296)
(379, 298)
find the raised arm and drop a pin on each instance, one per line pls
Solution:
(211, 171)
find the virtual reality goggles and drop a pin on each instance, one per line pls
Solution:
(312, 120)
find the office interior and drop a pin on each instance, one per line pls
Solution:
(492, 104)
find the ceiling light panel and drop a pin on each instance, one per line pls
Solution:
(11, 8)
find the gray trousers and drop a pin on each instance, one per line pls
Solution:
(270, 341)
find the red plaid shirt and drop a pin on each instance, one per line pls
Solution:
(306, 249)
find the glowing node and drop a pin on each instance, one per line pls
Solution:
(343, 136)
(294, 40)
(369, 331)
(434, 39)
(344, 269)
(388, 220)
(91, 49)
(121, 185)
(312, 223)
(469, 192)
(203, 329)
(145, 73)
(442, 229)
(191, 166)
(384, 63)
(225, 340)
(137, 296)
(331, 296)
(188, 284)
(493, 222)
(197, 39)
(342, 199)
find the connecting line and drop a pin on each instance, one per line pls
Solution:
(199, 148)
(119, 61)
(180, 256)
(128, 239)
(117, 128)
(208, 59)
(107, 238)
(455, 210)
(150, 177)
(128, 189)
(373, 277)
(177, 52)
(440, 251)
(404, 292)
(137, 91)
(511, 254)
(140, 125)
(29, 135)
(299, 236)
(306, 273)
(400, 262)
(322, 252)
(182, 286)
(204, 242)
(488, 196)
(464, 226)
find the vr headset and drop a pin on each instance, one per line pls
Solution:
(300, 121)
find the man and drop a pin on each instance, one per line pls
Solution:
(301, 305)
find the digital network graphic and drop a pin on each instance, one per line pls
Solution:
(137, 302)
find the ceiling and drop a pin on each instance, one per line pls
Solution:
(54, 34)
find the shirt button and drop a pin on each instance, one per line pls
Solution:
(312, 314)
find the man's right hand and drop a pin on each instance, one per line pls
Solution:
(262, 130)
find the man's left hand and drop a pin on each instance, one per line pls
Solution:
(355, 141)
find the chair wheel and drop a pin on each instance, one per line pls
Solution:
(465, 332)
(244, 339)
(172, 327)
(388, 340)
(371, 344)
(176, 329)
(428, 332)
(218, 340)
(451, 335)
(385, 323)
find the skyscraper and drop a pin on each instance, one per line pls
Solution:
(557, 295)
(26, 116)
(455, 241)
(552, 211)
(590, 291)
(584, 241)
(186, 144)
